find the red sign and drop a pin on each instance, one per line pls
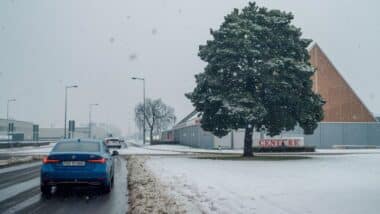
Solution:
(290, 142)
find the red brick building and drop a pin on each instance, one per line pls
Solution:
(342, 104)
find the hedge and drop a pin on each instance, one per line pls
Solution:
(284, 149)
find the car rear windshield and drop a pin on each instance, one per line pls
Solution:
(113, 140)
(77, 147)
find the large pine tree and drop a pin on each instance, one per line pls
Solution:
(257, 75)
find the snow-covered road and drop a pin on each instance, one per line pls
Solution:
(322, 184)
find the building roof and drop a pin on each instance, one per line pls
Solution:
(342, 103)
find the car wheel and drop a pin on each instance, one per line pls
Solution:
(107, 187)
(45, 190)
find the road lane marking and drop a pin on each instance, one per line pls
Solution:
(18, 167)
(23, 204)
(16, 189)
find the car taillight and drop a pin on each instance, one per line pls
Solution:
(102, 160)
(46, 160)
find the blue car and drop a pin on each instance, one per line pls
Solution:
(78, 162)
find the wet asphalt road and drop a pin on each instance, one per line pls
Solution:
(20, 193)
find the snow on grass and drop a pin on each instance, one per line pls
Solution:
(133, 150)
(322, 184)
(187, 149)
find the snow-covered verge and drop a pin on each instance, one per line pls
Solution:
(19, 160)
(146, 193)
(321, 184)
(42, 150)
(187, 149)
(133, 150)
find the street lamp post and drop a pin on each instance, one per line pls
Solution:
(67, 87)
(89, 118)
(9, 100)
(1, 73)
(143, 80)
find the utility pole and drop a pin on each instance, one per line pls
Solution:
(9, 100)
(89, 119)
(10, 125)
(1, 73)
(144, 129)
(67, 87)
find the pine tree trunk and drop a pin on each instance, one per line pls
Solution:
(248, 152)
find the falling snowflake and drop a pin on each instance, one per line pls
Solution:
(132, 57)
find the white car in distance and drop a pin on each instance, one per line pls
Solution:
(112, 142)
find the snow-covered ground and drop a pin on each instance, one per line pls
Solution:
(321, 184)
(42, 150)
(133, 150)
(187, 149)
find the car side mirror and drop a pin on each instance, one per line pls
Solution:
(115, 153)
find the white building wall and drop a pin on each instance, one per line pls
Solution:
(237, 140)
(223, 142)
(20, 127)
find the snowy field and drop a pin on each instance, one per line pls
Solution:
(187, 149)
(175, 150)
(321, 184)
(133, 150)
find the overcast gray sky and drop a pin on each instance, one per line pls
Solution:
(100, 45)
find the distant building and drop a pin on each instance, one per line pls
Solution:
(99, 131)
(22, 127)
(347, 120)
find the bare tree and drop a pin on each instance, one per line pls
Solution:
(158, 116)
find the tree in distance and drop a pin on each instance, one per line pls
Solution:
(158, 116)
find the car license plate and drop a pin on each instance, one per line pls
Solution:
(73, 163)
